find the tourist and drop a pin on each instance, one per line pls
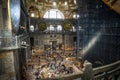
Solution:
(37, 74)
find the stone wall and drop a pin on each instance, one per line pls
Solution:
(7, 70)
(45, 39)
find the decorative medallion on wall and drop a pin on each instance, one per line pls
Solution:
(67, 26)
(42, 26)
(15, 14)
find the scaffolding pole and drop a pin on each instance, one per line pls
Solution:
(78, 33)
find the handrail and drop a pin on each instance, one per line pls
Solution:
(98, 73)
(67, 77)
(106, 67)
(53, 32)
(101, 72)
(9, 41)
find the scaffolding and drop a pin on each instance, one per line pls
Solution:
(96, 18)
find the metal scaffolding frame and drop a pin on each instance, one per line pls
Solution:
(108, 43)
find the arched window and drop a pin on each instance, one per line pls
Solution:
(54, 14)
(32, 28)
(59, 28)
(74, 29)
(52, 28)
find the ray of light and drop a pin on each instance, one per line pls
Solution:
(91, 43)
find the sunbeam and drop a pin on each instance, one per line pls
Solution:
(91, 43)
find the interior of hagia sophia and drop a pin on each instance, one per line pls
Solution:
(47, 39)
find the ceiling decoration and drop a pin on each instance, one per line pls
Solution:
(67, 7)
(39, 7)
(114, 4)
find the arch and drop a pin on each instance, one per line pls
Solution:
(54, 14)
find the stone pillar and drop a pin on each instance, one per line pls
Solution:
(7, 66)
(6, 21)
(5, 25)
(88, 71)
(1, 20)
(17, 64)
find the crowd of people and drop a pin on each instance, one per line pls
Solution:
(53, 65)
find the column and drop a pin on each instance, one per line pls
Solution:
(7, 68)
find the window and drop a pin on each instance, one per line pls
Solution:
(59, 28)
(54, 14)
(52, 28)
(32, 28)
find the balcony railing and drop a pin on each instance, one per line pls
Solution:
(107, 72)
(53, 32)
(9, 42)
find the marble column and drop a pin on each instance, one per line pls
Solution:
(7, 68)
